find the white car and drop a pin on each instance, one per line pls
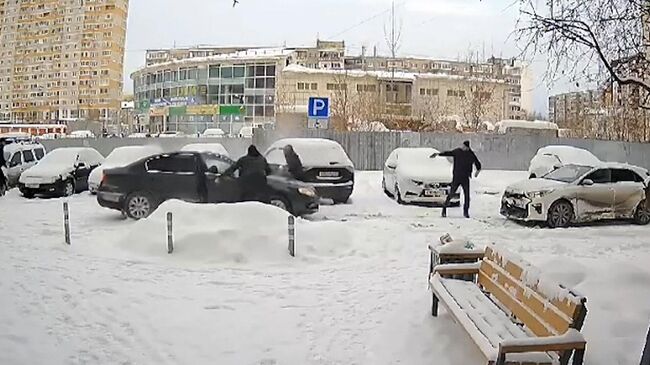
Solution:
(246, 132)
(61, 172)
(171, 134)
(412, 176)
(138, 135)
(550, 158)
(81, 134)
(120, 157)
(19, 157)
(216, 148)
(326, 166)
(213, 133)
(575, 194)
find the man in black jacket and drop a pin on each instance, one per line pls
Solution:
(293, 162)
(464, 160)
(253, 170)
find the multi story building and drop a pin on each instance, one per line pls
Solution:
(227, 87)
(61, 60)
(572, 110)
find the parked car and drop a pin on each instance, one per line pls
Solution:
(412, 176)
(171, 134)
(216, 148)
(575, 194)
(20, 157)
(213, 133)
(550, 158)
(81, 134)
(139, 135)
(120, 156)
(246, 132)
(327, 167)
(138, 189)
(61, 172)
(13, 137)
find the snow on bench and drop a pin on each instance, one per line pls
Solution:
(511, 313)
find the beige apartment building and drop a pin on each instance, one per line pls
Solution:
(61, 60)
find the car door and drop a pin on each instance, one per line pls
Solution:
(174, 176)
(390, 170)
(596, 201)
(29, 160)
(220, 188)
(628, 192)
(15, 167)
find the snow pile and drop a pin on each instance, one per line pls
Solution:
(570, 155)
(240, 234)
(313, 152)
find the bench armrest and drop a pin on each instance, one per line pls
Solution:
(571, 340)
(457, 269)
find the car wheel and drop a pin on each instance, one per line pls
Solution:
(139, 206)
(28, 194)
(383, 186)
(280, 202)
(560, 215)
(68, 189)
(642, 214)
(398, 195)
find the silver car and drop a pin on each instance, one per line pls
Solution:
(576, 194)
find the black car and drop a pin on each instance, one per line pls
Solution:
(139, 188)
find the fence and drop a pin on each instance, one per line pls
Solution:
(369, 150)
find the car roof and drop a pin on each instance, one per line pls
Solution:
(304, 142)
(18, 146)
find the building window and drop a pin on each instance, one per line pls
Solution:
(314, 86)
(332, 87)
(215, 71)
(366, 88)
(301, 86)
(456, 93)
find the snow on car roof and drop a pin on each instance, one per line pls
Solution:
(216, 148)
(312, 152)
(503, 125)
(571, 154)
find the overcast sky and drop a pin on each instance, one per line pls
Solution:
(431, 28)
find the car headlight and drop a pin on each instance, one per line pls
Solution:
(538, 194)
(310, 192)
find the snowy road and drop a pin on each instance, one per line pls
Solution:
(356, 294)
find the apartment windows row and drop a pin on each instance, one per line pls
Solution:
(456, 93)
(428, 92)
(307, 86)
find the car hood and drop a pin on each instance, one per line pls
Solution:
(535, 185)
(427, 175)
(47, 170)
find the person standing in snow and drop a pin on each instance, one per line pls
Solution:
(293, 162)
(464, 160)
(253, 170)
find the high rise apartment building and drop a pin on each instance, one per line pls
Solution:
(61, 60)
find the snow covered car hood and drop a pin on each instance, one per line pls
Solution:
(535, 185)
(441, 175)
(45, 173)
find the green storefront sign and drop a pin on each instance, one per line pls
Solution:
(144, 105)
(232, 110)
(177, 111)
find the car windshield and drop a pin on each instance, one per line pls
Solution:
(568, 173)
(61, 156)
(421, 158)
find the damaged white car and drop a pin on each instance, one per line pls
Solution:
(411, 175)
(577, 194)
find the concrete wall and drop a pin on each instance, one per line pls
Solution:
(236, 146)
(369, 150)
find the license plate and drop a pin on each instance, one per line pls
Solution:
(328, 174)
(433, 193)
(32, 186)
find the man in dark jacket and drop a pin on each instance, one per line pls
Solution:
(253, 170)
(293, 162)
(464, 160)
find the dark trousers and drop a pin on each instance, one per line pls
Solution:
(455, 184)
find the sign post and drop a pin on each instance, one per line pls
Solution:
(318, 113)
(292, 236)
(66, 222)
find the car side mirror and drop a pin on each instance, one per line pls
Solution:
(587, 182)
(213, 170)
(81, 165)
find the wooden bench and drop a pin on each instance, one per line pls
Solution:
(512, 315)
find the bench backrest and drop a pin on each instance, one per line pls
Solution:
(545, 307)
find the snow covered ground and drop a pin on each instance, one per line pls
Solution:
(356, 293)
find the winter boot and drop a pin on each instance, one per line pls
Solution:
(466, 214)
(444, 212)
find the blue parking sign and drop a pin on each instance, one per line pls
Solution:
(319, 108)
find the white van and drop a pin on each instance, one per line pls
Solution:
(20, 157)
(246, 132)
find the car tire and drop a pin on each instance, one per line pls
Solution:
(560, 214)
(28, 194)
(383, 186)
(280, 202)
(343, 200)
(139, 205)
(642, 214)
(398, 196)
(68, 188)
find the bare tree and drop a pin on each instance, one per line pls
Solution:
(583, 38)
(477, 103)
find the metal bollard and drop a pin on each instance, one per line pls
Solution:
(170, 234)
(292, 236)
(66, 222)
